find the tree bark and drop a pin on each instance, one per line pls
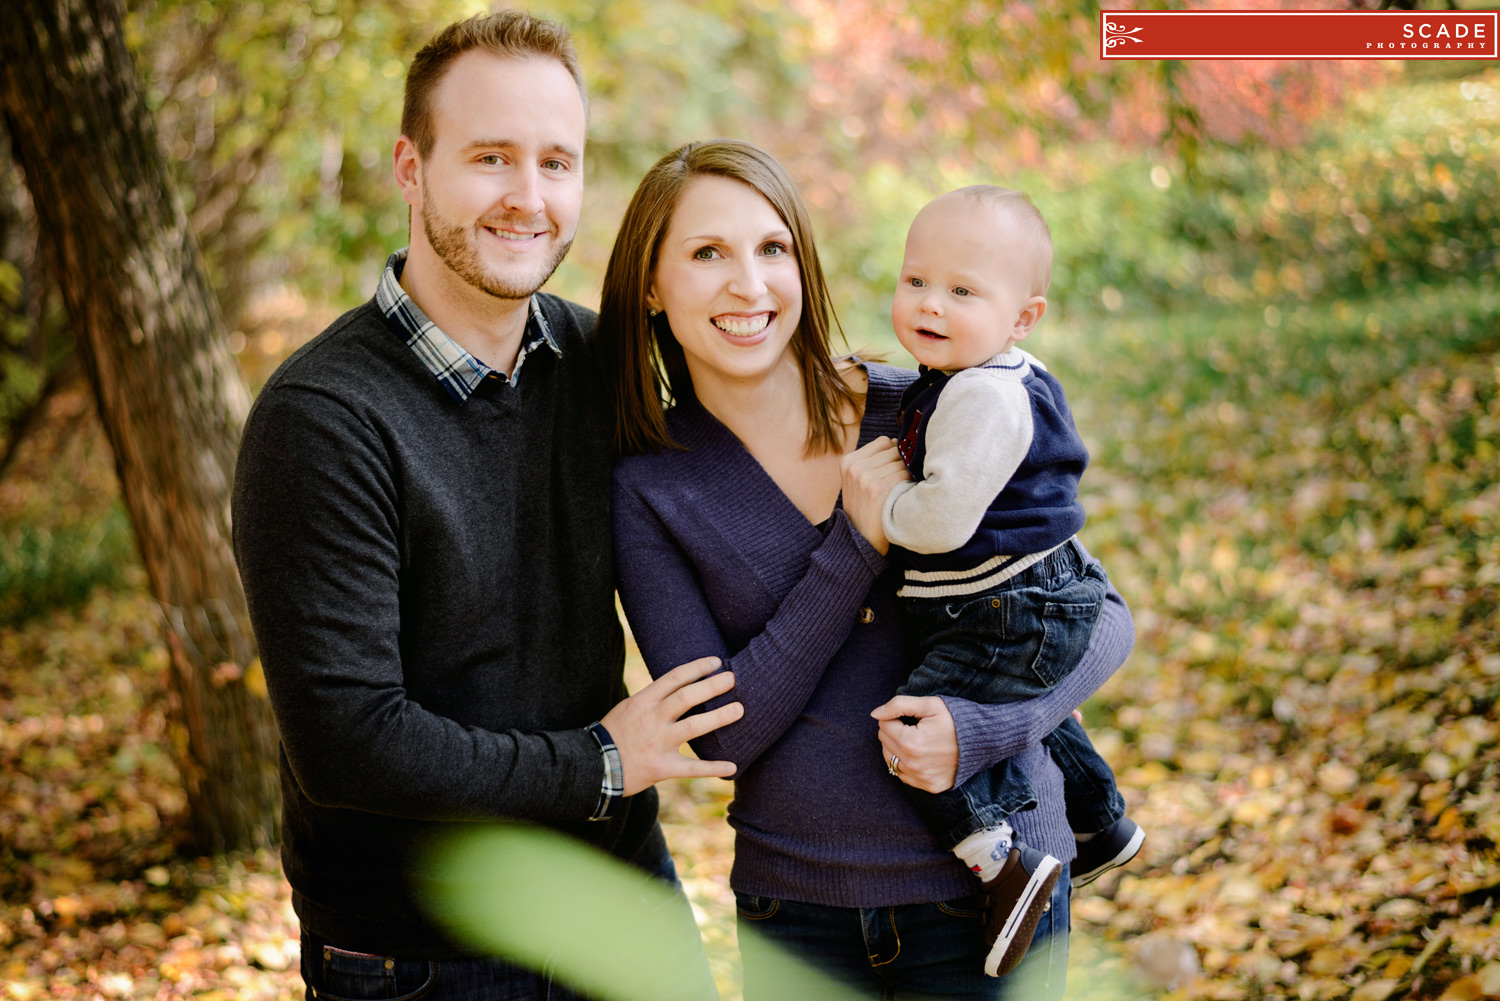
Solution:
(151, 338)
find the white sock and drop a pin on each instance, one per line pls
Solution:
(984, 852)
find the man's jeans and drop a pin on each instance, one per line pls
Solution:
(334, 973)
(897, 953)
(1007, 644)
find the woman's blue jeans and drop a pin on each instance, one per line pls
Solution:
(911, 951)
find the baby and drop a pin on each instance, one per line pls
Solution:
(994, 581)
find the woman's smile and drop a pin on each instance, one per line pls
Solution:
(742, 324)
(745, 327)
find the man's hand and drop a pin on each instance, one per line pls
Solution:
(928, 752)
(869, 474)
(648, 727)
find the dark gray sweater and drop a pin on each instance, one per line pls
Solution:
(431, 587)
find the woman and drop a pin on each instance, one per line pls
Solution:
(731, 541)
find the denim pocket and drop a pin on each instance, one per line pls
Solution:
(756, 908)
(361, 976)
(970, 907)
(1067, 624)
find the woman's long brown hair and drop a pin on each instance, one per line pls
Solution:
(648, 368)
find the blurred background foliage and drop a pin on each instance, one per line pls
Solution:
(1276, 310)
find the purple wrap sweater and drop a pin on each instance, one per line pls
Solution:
(714, 560)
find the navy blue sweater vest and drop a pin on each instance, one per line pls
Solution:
(1039, 507)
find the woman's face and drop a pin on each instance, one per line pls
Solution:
(727, 278)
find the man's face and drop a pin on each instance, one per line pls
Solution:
(503, 184)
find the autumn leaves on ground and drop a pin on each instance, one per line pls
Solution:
(1306, 519)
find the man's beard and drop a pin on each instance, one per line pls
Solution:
(455, 247)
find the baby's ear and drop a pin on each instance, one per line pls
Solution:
(1030, 316)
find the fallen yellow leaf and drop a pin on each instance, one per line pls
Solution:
(1463, 989)
(1374, 990)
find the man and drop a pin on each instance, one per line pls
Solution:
(422, 526)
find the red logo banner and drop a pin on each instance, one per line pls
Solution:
(1298, 34)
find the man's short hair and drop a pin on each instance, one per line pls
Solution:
(511, 33)
(1028, 217)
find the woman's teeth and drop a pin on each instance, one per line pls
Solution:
(742, 326)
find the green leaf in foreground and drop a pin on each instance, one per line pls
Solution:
(542, 900)
(545, 901)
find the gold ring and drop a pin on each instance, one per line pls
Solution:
(895, 766)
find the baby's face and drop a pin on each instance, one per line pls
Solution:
(963, 285)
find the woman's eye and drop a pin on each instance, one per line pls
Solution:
(776, 249)
(703, 254)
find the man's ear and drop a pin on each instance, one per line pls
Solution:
(406, 164)
(1030, 316)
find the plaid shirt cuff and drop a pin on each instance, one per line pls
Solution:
(612, 789)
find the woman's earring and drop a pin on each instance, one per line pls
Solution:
(653, 312)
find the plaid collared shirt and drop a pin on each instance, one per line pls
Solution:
(613, 788)
(459, 372)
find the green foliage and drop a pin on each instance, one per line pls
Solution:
(589, 919)
(20, 377)
(1259, 363)
(548, 902)
(43, 569)
(1227, 452)
(1407, 191)
(1008, 52)
(12, 329)
(279, 120)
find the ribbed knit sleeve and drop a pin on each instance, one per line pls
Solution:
(988, 734)
(778, 669)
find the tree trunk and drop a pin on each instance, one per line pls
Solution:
(151, 339)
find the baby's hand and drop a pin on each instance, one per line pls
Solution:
(870, 474)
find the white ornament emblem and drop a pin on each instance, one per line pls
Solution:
(1116, 35)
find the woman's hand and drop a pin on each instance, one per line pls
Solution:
(927, 752)
(869, 474)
